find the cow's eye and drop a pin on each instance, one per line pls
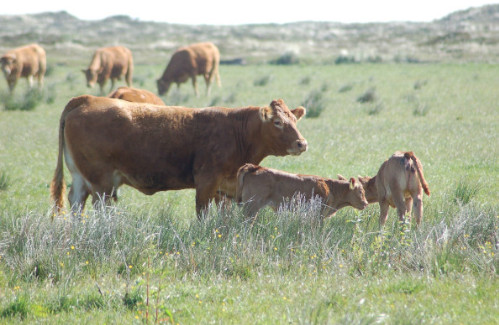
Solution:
(278, 123)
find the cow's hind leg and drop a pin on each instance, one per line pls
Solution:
(78, 193)
(207, 78)
(418, 208)
(383, 212)
(399, 201)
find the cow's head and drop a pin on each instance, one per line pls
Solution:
(8, 62)
(163, 86)
(280, 133)
(356, 194)
(91, 75)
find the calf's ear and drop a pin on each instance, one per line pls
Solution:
(341, 177)
(299, 112)
(352, 183)
(266, 114)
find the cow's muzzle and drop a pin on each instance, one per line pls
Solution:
(298, 147)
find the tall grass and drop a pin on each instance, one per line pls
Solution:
(4, 180)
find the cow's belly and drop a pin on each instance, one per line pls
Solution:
(152, 182)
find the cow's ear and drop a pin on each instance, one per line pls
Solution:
(266, 114)
(352, 183)
(299, 112)
(341, 177)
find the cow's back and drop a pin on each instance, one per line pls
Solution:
(136, 95)
(31, 59)
(206, 56)
(397, 173)
(276, 185)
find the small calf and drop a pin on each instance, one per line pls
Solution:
(259, 186)
(399, 183)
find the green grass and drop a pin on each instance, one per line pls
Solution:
(148, 258)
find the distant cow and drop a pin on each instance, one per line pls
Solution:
(188, 62)
(109, 63)
(259, 186)
(399, 183)
(28, 61)
(108, 142)
(136, 95)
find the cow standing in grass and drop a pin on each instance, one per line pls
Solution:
(107, 63)
(24, 62)
(259, 186)
(188, 62)
(109, 142)
(400, 184)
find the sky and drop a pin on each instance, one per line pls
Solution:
(233, 12)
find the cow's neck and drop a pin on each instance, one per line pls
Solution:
(249, 139)
(340, 193)
(371, 191)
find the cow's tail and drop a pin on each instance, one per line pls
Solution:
(42, 68)
(129, 72)
(57, 186)
(419, 168)
(247, 168)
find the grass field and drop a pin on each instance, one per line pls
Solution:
(148, 259)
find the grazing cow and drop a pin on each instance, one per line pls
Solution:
(136, 95)
(28, 61)
(109, 63)
(188, 62)
(108, 142)
(259, 186)
(399, 183)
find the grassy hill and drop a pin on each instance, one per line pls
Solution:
(469, 35)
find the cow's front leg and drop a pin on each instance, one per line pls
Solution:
(30, 81)
(195, 85)
(206, 190)
(12, 84)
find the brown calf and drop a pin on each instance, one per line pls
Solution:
(259, 186)
(399, 183)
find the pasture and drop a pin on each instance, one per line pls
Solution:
(147, 259)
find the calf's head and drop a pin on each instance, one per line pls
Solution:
(280, 133)
(356, 195)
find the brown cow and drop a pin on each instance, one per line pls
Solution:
(259, 186)
(190, 61)
(136, 95)
(109, 63)
(109, 142)
(399, 183)
(28, 61)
